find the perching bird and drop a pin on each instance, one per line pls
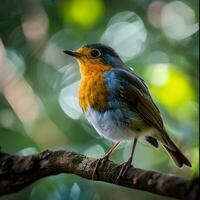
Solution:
(118, 104)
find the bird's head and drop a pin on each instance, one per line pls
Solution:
(96, 58)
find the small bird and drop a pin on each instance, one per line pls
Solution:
(118, 104)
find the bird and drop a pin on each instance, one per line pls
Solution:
(118, 104)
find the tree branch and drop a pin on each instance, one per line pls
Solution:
(17, 172)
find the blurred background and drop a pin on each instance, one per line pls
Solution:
(39, 83)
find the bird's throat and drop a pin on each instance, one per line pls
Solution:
(93, 92)
(89, 67)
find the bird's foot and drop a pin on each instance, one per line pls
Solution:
(123, 170)
(98, 163)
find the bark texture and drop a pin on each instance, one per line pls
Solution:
(17, 172)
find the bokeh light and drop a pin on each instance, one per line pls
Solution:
(41, 192)
(178, 20)
(16, 62)
(169, 85)
(35, 25)
(126, 34)
(27, 151)
(6, 118)
(69, 102)
(67, 39)
(84, 13)
(75, 192)
(154, 13)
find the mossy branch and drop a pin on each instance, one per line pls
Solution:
(17, 172)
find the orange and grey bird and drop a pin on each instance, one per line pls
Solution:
(118, 104)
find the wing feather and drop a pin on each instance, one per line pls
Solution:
(135, 92)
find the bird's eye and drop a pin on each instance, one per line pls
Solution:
(95, 53)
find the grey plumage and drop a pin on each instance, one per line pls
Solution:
(132, 90)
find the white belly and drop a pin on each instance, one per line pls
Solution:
(114, 125)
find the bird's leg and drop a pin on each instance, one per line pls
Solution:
(108, 154)
(105, 158)
(126, 165)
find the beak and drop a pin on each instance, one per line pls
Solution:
(72, 53)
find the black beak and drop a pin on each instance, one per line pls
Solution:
(72, 53)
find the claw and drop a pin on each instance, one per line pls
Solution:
(126, 165)
(124, 169)
(99, 162)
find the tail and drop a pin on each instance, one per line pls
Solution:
(176, 155)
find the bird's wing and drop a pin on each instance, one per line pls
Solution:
(134, 91)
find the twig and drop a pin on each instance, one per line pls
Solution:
(17, 172)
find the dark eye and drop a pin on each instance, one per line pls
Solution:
(95, 53)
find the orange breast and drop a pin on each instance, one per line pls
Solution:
(93, 92)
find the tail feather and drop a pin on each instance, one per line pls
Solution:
(176, 155)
